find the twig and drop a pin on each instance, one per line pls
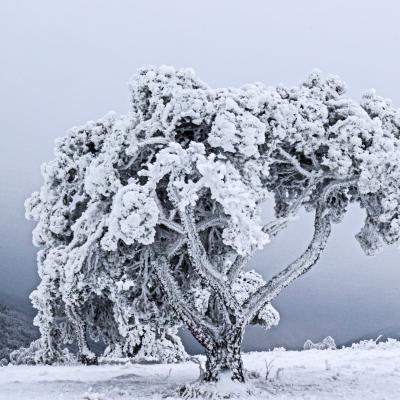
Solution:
(268, 367)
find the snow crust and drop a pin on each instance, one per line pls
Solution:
(367, 371)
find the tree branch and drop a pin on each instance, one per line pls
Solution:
(198, 253)
(265, 294)
(202, 332)
(171, 225)
(237, 265)
(272, 228)
(199, 257)
(294, 162)
(148, 142)
(202, 226)
(215, 221)
(336, 184)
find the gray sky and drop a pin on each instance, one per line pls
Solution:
(65, 62)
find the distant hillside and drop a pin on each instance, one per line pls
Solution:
(16, 330)
(18, 303)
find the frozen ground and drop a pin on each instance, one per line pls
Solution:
(315, 374)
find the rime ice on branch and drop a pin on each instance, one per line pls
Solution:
(151, 217)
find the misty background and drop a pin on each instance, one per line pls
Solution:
(66, 62)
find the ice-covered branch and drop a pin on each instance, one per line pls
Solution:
(264, 295)
(337, 184)
(148, 142)
(171, 225)
(208, 223)
(296, 164)
(272, 228)
(202, 226)
(196, 248)
(202, 264)
(237, 266)
(195, 323)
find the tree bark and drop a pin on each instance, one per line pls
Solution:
(222, 348)
(225, 357)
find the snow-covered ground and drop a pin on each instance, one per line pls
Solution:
(314, 374)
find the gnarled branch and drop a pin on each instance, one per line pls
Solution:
(265, 294)
(194, 322)
(296, 164)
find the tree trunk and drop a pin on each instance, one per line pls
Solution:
(225, 357)
(221, 336)
(85, 356)
(51, 350)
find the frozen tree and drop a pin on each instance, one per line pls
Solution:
(176, 187)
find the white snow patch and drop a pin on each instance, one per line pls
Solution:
(353, 373)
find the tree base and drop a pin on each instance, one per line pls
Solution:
(224, 388)
(88, 359)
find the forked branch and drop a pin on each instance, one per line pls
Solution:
(200, 330)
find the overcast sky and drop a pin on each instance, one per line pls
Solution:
(65, 62)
